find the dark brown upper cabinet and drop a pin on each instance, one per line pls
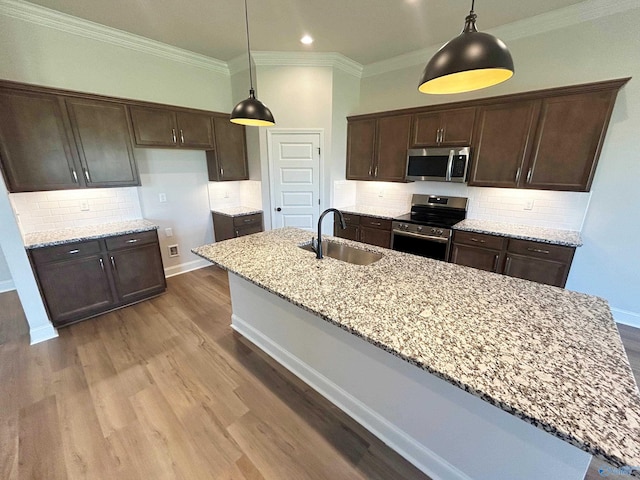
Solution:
(377, 148)
(36, 150)
(163, 127)
(228, 160)
(504, 136)
(103, 140)
(443, 128)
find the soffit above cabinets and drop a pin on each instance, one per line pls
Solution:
(365, 31)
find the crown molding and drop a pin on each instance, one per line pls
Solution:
(557, 19)
(238, 64)
(84, 28)
(308, 59)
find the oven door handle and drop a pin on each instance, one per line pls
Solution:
(421, 236)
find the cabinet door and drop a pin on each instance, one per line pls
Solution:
(154, 127)
(101, 131)
(457, 127)
(391, 149)
(375, 236)
(352, 232)
(361, 138)
(502, 143)
(426, 130)
(536, 269)
(195, 130)
(137, 272)
(480, 258)
(229, 160)
(35, 148)
(568, 140)
(75, 289)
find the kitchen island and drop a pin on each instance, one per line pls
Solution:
(422, 352)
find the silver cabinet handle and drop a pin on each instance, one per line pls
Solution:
(101, 264)
(181, 136)
(237, 233)
(247, 220)
(376, 223)
(529, 175)
(495, 262)
(173, 135)
(538, 250)
(375, 172)
(518, 174)
(75, 250)
(113, 263)
(438, 136)
(133, 240)
(507, 266)
(75, 175)
(371, 170)
(86, 175)
(221, 172)
(473, 239)
(441, 135)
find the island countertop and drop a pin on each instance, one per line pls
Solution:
(549, 356)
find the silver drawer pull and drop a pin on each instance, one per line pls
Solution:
(538, 250)
(181, 136)
(376, 223)
(86, 175)
(113, 263)
(173, 135)
(476, 240)
(101, 264)
(75, 175)
(71, 252)
(133, 240)
(495, 263)
(248, 220)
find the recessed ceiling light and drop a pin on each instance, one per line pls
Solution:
(307, 40)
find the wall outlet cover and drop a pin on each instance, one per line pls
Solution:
(84, 205)
(168, 232)
(162, 197)
(173, 250)
(529, 204)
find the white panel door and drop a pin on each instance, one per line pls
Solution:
(294, 166)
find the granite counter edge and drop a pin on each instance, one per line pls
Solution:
(82, 238)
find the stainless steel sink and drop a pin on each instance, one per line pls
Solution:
(343, 252)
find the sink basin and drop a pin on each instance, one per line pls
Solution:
(343, 252)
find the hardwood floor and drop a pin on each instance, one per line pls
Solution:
(166, 390)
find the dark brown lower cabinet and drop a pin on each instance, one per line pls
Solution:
(226, 227)
(526, 259)
(365, 229)
(83, 279)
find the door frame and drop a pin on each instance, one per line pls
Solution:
(321, 165)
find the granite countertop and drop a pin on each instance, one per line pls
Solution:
(68, 235)
(549, 356)
(569, 238)
(379, 212)
(236, 211)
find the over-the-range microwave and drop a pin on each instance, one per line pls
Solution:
(438, 164)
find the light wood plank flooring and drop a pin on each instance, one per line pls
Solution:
(166, 390)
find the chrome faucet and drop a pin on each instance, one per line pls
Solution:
(317, 244)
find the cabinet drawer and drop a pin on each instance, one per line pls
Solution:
(131, 240)
(349, 219)
(247, 220)
(373, 222)
(248, 230)
(65, 252)
(544, 251)
(479, 240)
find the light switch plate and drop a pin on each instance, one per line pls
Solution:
(84, 205)
(168, 232)
(529, 204)
(162, 197)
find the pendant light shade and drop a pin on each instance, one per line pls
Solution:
(471, 61)
(251, 111)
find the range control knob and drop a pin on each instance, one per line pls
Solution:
(433, 230)
(419, 228)
(439, 232)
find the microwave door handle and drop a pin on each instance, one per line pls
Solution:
(449, 165)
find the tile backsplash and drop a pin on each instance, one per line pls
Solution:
(245, 193)
(543, 208)
(41, 211)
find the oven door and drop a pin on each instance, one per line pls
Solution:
(419, 244)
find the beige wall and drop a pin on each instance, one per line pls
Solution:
(605, 48)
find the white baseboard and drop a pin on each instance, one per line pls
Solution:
(7, 286)
(40, 334)
(626, 317)
(186, 267)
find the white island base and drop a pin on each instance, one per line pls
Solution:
(444, 431)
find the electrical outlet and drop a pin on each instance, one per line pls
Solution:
(528, 204)
(84, 205)
(381, 193)
(168, 232)
(173, 251)
(162, 197)
(226, 194)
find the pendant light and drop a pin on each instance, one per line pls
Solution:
(471, 61)
(251, 111)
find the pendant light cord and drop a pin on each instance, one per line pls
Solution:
(473, 2)
(246, 21)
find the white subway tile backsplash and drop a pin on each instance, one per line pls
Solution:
(39, 211)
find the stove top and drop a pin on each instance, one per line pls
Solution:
(435, 211)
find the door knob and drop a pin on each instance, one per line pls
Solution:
(278, 209)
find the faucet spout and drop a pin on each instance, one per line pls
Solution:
(343, 225)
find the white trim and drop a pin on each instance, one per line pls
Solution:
(545, 22)
(626, 317)
(42, 333)
(238, 64)
(7, 286)
(308, 59)
(186, 267)
(321, 164)
(84, 28)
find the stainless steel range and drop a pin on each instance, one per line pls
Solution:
(426, 231)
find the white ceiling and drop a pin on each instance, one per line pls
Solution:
(366, 31)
